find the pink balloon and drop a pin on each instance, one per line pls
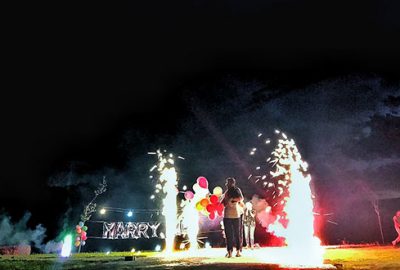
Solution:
(84, 238)
(202, 181)
(189, 195)
(83, 233)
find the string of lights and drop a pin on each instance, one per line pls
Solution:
(129, 212)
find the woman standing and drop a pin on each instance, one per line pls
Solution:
(233, 202)
(249, 224)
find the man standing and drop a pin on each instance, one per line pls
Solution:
(396, 220)
(233, 202)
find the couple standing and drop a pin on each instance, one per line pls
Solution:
(233, 214)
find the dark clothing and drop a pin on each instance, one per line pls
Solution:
(233, 233)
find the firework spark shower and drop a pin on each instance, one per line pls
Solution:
(167, 186)
(292, 203)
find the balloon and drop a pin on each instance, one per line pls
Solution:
(210, 208)
(84, 237)
(83, 243)
(214, 199)
(189, 195)
(212, 215)
(204, 202)
(81, 223)
(217, 191)
(196, 188)
(78, 227)
(77, 243)
(83, 233)
(199, 207)
(84, 228)
(202, 181)
(220, 209)
(79, 230)
(78, 238)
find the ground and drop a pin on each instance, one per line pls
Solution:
(375, 257)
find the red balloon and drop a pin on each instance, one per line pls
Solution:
(202, 181)
(210, 208)
(212, 215)
(79, 230)
(214, 199)
(84, 237)
(83, 233)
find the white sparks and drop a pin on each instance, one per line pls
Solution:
(168, 182)
(297, 206)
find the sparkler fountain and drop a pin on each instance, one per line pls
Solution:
(167, 184)
(294, 201)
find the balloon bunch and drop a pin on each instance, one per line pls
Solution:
(208, 204)
(81, 236)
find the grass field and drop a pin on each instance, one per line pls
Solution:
(387, 258)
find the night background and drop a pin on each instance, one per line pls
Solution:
(89, 90)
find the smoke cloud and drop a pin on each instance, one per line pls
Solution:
(19, 234)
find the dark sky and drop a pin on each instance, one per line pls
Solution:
(92, 88)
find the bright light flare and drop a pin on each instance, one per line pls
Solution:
(157, 248)
(67, 246)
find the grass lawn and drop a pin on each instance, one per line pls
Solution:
(387, 258)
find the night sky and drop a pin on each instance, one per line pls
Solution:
(89, 90)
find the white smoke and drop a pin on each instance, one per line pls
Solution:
(19, 234)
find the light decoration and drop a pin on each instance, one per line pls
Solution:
(67, 246)
(295, 221)
(130, 214)
(167, 186)
(103, 211)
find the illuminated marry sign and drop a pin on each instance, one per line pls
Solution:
(130, 230)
